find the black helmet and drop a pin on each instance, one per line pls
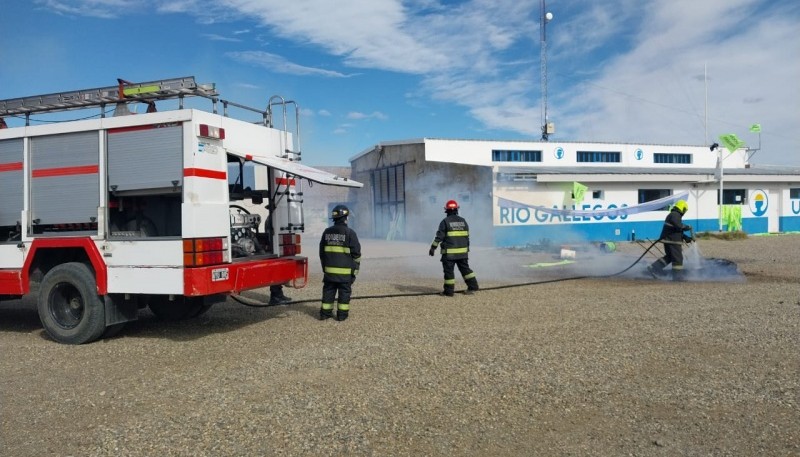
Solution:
(339, 212)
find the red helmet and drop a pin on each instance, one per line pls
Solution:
(451, 205)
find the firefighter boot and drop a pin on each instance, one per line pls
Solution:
(342, 311)
(472, 285)
(656, 269)
(279, 299)
(326, 312)
(678, 274)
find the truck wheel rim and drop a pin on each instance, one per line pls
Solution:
(66, 306)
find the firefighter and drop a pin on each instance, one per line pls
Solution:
(672, 237)
(340, 256)
(453, 235)
(277, 297)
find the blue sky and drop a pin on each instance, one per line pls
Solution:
(366, 71)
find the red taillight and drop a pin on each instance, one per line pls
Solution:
(198, 252)
(290, 244)
(209, 131)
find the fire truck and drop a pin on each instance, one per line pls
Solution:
(121, 210)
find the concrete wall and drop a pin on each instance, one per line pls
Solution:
(428, 186)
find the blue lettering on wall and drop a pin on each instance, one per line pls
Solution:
(596, 207)
(612, 206)
(504, 210)
(796, 206)
(513, 215)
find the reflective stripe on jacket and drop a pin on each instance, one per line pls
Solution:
(453, 236)
(339, 253)
(673, 228)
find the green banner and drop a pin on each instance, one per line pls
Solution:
(731, 142)
(755, 128)
(578, 191)
(732, 217)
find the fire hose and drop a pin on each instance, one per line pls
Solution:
(252, 303)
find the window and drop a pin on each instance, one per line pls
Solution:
(597, 194)
(598, 156)
(733, 197)
(794, 193)
(672, 158)
(502, 155)
(241, 176)
(389, 206)
(648, 195)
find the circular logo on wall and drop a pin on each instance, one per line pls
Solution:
(759, 202)
(559, 153)
(639, 154)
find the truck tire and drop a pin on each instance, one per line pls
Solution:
(69, 308)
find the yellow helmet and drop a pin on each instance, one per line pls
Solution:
(681, 206)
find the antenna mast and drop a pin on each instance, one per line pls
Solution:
(547, 127)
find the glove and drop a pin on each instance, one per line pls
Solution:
(688, 239)
(687, 228)
(431, 251)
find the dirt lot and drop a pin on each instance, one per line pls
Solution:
(566, 365)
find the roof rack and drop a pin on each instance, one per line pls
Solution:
(124, 92)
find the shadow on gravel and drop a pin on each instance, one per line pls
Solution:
(21, 316)
(221, 318)
(410, 288)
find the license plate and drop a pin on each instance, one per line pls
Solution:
(220, 274)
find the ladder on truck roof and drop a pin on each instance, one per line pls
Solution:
(124, 92)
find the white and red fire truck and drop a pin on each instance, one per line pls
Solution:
(110, 214)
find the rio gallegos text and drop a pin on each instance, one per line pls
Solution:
(340, 256)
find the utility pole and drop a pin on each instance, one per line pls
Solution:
(705, 86)
(545, 17)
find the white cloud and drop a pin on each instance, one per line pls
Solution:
(355, 115)
(619, 70)
(324, 112)
(104, 9)
(652, 93)
(365, 34)
(279, 64)
(216, 37)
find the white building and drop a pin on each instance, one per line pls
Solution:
(515, 193)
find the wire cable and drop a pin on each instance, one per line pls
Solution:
(255, 304)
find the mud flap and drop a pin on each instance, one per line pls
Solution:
(120, 309)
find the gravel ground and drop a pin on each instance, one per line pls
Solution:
(565, 365)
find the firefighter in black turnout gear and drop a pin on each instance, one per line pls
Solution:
(453, 237)
(673, 237)
(340, 255)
